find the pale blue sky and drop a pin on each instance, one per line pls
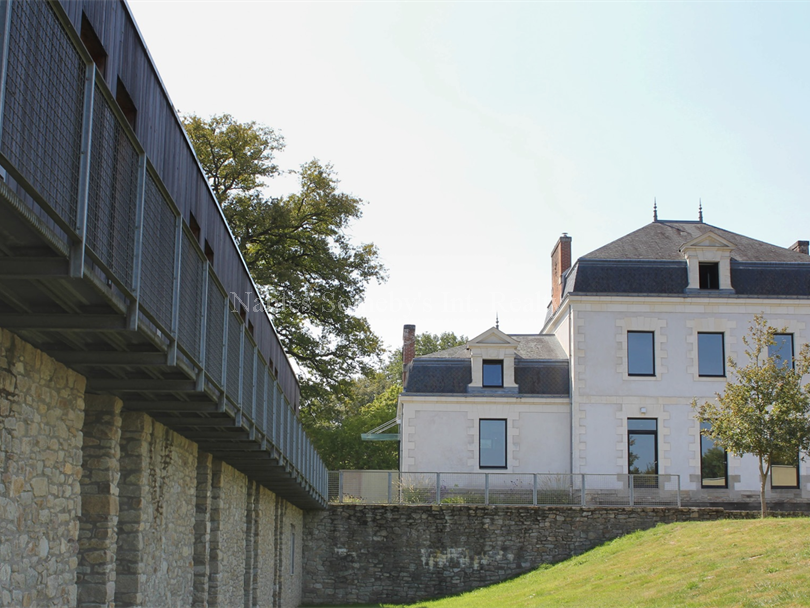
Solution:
(479, 132)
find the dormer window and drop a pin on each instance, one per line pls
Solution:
(493, 373)
(709, 275)
(708, 260)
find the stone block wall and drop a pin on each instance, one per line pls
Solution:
(228, 524)
(158, 491)
(103, 507)
(98, 533)
(41, 416)
(372, 553)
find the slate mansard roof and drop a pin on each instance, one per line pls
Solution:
(649, 261)
(541, 368)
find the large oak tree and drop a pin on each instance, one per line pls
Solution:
(312, 275)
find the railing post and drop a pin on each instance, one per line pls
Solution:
(390, 488)
(77, 249)
(631, 486)
(582, 491)
(486, 488)
(239, 396)
(340, 486)
(175, 329)
(534, 489)
(678, 479)
(438, 488)
(203, 330)
(5, 23)
(132, 313)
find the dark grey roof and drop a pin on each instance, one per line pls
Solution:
(439, 376)
(661, 240)
(451, 376)
(530, 346)
(628, 276)
(648, 261)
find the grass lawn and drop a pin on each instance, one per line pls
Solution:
(746, 564)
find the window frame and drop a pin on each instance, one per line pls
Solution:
(798, 476)
(722, 353)
(491, 363)
(708, 270)
(791, 361)
(652, 354)
(480, 438)
(725, 462)
(653, 432)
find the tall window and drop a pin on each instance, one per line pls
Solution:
(493, 373)
(709, 275)
(492, 444)
(782, 349)
(711, 355)
(642, 441)
(640, 353)
(713, 463)
(785, 473)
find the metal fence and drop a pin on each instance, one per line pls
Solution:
(543, 489)
(65, 141)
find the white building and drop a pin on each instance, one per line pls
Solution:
(635, 331)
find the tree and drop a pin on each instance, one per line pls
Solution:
(234, 156)
(764, 410)
(310, 274)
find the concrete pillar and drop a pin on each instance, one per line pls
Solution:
(202, 530)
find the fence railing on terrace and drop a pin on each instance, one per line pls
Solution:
(541, 489)
(78, 178)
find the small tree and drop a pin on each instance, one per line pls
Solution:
(764, 408)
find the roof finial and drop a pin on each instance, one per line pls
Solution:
(700, 210)
(655, 210)
(497, 322)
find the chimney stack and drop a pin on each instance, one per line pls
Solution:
(560, 262)
(408, 349)
(801, 247)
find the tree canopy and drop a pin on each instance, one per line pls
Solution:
(765, 409)
(234, 156)
(311, 274)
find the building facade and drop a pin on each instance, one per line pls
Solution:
(643, 326)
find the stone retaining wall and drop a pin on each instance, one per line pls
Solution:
(371, 553)
(41, 417)
(100, 506)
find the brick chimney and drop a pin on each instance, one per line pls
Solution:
(560, 262)
(801, 247)
(408, 349)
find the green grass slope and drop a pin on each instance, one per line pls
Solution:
(747, 564)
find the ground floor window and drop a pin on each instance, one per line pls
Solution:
(713, 462)
(785, 474)
(642, 442)
(492, 443)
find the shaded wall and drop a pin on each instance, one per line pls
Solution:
(41, 417)
(100, 506)
(402, 554)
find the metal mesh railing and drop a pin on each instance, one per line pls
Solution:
(157, 255)
(112, 192)
(214, 330)
(261, 395)
(541, 489)
(234, 360)
(192, 269)
(44, 106)
(248, 355)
